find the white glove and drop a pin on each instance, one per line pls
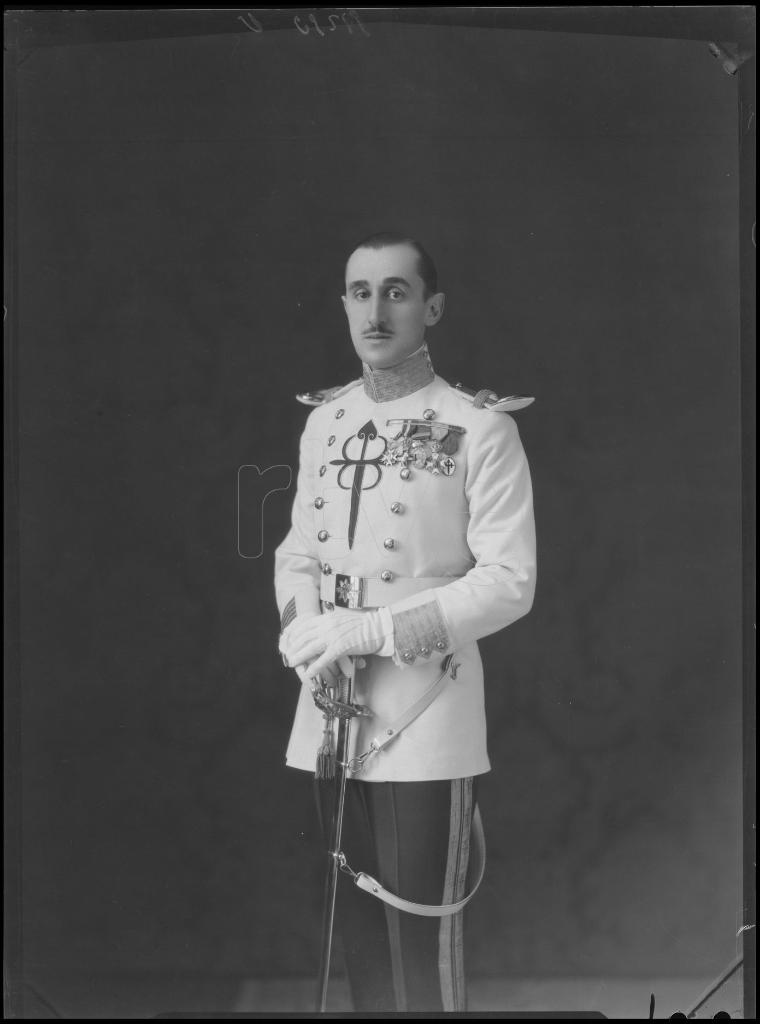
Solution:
(330, 673)
(331, 638)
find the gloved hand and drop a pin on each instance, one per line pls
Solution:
(320, 640)
(329, 673)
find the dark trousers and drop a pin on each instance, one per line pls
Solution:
(414, 838)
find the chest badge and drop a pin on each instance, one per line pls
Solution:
(362, 462)
(423, 444)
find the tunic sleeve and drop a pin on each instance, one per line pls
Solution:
(296, 565)
(501, 535)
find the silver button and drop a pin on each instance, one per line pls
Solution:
(428, 414)
(440, 645)
(386, 576)
(331, 439)
(405, 473)
(319, 502)
(323, 535)
(397, 507)
(407, 656)
(424, 651)
(389, 543)
(326, 569)
(339, 413)
(322, 470)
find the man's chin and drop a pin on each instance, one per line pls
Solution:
(377, 352)
(381, 353)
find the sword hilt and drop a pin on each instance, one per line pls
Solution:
(336, 707)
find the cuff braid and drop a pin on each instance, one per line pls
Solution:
(420, 632)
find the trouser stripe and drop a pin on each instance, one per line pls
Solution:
(450, 935)
(393, 919)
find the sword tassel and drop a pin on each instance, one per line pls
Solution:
(325, 768)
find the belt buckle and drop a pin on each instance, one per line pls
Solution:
(349, 591)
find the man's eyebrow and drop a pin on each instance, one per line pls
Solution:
(387, 280)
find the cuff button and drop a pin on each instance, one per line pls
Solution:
(440, 645)
(407, 656)
(425, 651)
(386, 576)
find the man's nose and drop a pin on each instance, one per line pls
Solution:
(376, 309)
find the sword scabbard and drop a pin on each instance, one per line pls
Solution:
(335, 839)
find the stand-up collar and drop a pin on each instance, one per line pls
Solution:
(400, 380)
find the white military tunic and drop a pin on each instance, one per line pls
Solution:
(451, 553)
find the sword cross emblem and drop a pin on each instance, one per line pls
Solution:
(365, 434)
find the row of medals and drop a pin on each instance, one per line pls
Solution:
(429, 455)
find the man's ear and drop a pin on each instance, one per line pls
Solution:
(434, 310)
(343, 300)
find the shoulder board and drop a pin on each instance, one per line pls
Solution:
(324, 395)
(487, 399)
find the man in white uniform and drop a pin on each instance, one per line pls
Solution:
(412, 537)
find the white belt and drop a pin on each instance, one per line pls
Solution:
(345, 591)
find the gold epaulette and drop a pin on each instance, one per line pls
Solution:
(487, 399)
(324, 395)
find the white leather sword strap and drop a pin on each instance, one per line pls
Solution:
(356, 764)
(369, 884)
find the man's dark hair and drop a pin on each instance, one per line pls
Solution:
(425, 266)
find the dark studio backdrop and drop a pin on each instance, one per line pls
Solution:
(184, 209)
